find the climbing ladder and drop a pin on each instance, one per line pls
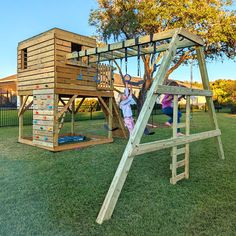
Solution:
(180, 151)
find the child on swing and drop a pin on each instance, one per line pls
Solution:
(125, 105)
(167, 106)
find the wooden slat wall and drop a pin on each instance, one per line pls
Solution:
(40, 70)
(67, 75)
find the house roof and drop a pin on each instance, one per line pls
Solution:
(11, 78)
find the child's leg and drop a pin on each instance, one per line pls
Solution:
(129, 123)
(169, 112)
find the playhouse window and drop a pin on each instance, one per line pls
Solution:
(24, 58)
(76, 47)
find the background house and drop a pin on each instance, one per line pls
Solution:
(8, 91)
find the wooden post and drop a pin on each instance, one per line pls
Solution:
(127, 158)
(209, 100)
(56, 124)
(187, 133)
(174, 149)
(73, 118)
(21, 133)
(110, 121)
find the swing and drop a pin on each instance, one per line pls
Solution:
(127, 77)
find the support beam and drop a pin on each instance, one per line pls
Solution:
(110, 118)
(105, 106)
(79, 105)
(168, 143)
(66, 106)
(21, 124)
(22, 106)
(162, 89)
(73, 118)
(211, 108)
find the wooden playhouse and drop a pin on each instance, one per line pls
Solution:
(50, 82)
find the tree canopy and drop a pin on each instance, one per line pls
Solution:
(213, 20)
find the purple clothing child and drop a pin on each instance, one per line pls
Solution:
(167, 109)
(167, 101)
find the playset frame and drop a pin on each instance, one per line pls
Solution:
(63, 63)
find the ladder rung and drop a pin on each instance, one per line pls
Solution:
(181, 125)
(179, 151)
(178, 164)
(177, 178)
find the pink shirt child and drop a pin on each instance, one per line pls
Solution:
(167, 101)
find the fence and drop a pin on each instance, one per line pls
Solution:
(9, 116)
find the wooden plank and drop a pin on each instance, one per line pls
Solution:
(40, 46)
(20, 116)
(62, 42)
(73, 117)
(40, 56)
(43, 92)
(43, 73)
(63, 48)
(43, 122)
(32, 87)
(43, 112)
(110, 118)
(37, 66)
(38, 39)
(74, 86)
(167, 143)
(177, 178)
(56, 125)
(25, 141)
(180, 151)
(174, 148)
(45, 117)
(211, 108)
(40, 61)
(84, 92)
(36, 82)
(83, 40)
(193, 37)
(178, 164)
(40, 51)
(187, 133)
(25, 92)
(42, 143)
(162, 89)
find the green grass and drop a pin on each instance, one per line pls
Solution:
(45, 193)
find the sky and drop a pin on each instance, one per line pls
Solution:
(22, 19)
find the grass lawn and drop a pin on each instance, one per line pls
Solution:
(45, 193)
